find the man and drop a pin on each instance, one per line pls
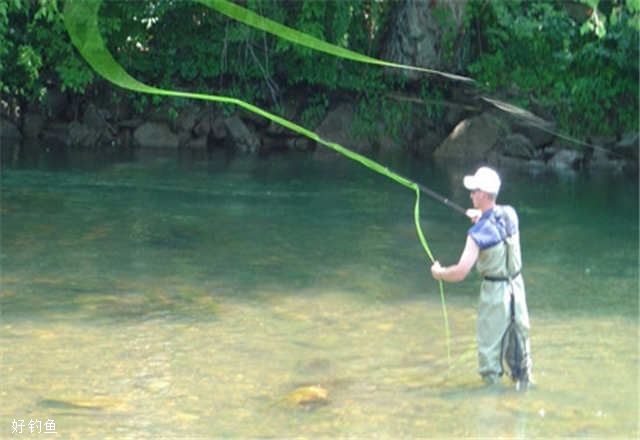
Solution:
(493, 245)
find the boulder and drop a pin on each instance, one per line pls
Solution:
(96, 119)
(124, 137)
(629, 140)
(8, 130)
(565, 159)
(218, 129)
(92, 130)
(539, 134)
(186, 120)
(256, 120)
(472, 138)
(628, 145)
(199, 143)
(528, 123)
(82, 136)
(299, 144)
(291, 108)
(202, 128)
(244, 139)
(155, 135)
(130, 124)
(336, 127)
(184, 137)
(204, 122)
(210, 124)
(602, 159)
(425, 145)
(518, 145)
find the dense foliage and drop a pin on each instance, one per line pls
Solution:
(577, 61)
(36, 53)
(185, 45)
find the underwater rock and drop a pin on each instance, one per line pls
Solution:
(307, 396)
(96, 403)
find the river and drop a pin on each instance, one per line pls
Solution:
(168, 296)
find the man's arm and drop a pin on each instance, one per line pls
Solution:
(458, 271)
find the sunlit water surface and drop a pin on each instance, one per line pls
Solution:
(171, 297)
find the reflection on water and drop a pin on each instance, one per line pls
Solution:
(172, 298)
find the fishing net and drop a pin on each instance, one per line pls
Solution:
(514, 350)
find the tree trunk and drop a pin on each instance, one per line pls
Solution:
(425, 33)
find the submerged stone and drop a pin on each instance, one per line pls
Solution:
(307, 396)
(81, 402)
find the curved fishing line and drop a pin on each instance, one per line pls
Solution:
(416, 217)
(81, 21)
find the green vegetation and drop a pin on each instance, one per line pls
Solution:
(36, 53)
(576, 61)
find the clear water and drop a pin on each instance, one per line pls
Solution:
(172, 297)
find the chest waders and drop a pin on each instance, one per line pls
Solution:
(513, 345)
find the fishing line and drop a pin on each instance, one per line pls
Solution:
(81, 21)
(257, 21)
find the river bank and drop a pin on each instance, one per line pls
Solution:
(468, 130)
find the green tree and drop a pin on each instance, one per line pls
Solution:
(36, 52)
(579, 60)
(186, 45)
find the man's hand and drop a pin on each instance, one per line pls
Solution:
(474, 215)
(457, 272)
(436, 270)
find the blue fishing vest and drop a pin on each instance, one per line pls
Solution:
(494, 226)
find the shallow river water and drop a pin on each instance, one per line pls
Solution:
(171, 297)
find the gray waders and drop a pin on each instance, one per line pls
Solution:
(503, 319)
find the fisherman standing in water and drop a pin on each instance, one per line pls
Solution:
(493, 244)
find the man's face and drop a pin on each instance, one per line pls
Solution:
(477, 197)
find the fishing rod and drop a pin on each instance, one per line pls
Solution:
(442, 199)
(431, 193)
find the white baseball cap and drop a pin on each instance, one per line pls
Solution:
(485, 179)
